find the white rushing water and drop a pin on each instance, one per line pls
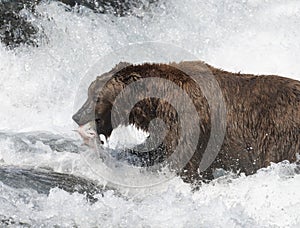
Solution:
(38, 88)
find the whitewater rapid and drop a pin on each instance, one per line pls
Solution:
(39, 94)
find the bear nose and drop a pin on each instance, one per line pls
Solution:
(76, 118)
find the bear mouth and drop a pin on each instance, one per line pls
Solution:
(88, 134)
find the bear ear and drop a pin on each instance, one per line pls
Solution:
(113, 71)
(121, 65)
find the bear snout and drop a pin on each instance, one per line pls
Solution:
(85, 114)
(76, 118)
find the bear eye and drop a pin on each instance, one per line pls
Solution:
(96, 99)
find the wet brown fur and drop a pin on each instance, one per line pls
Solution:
(262, 121)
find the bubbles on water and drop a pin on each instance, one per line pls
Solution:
(245, 201)
(37, 90)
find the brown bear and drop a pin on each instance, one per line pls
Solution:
(262, 123)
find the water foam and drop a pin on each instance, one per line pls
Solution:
(38, 87)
